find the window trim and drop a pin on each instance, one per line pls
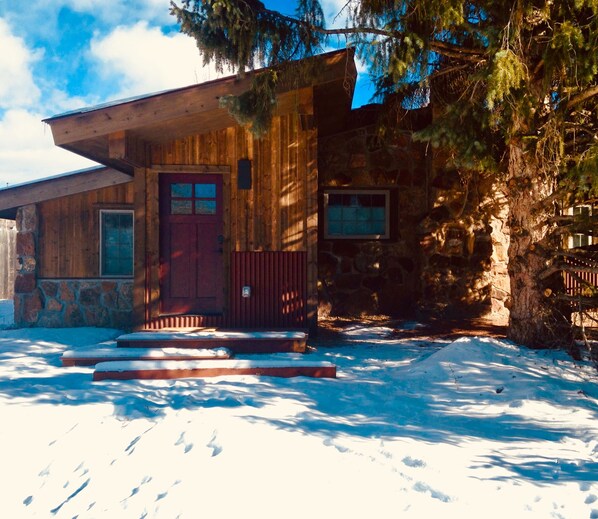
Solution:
(101, 243)
(359, 191)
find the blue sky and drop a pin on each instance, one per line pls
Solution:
(58, 55)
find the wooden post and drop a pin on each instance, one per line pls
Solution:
(140, 302)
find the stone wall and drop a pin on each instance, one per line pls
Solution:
(64, 302)
(447, 255)
(373, 277)
(464, 241)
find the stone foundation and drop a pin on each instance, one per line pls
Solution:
(72, 303)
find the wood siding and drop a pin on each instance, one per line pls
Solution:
(279, 212)
(8, 238)
(69, 231)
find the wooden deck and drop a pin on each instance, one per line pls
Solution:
(161, 370)
(234, 340)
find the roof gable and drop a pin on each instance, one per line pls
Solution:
(74, 182)
(116, 133)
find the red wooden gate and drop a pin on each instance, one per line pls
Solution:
(277, 284)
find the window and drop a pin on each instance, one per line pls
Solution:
(581, 212)
(188, 198)
(116, 243)
(356, 214)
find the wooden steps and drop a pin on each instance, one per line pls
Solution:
(236, 341)
(198, 353)
(159, 370)
(94, 355)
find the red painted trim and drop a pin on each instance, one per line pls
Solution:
(162, 374)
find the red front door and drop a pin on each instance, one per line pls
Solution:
(191, 266)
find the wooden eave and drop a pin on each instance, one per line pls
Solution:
(11, 198)
(108, 133)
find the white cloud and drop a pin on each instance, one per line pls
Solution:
(27, 150)
(142, 59)
(17, 87)
(336, 12)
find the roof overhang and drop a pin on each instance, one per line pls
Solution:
(13, 197)
(116, 134)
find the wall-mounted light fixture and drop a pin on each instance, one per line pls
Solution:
(244, 174)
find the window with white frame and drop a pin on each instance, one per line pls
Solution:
(356, 214)
(116, 243)
(583, 212)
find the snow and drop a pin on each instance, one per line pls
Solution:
(471, 428)
(111, 351)
(6, 313)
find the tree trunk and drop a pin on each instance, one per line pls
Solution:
(536, 318)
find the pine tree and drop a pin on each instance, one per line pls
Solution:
(514, 84)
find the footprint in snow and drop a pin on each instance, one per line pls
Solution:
(28, 500)
(426, 489)
(330, 443)
(182, 441)
(590, 499)
(413, 462)
(214, 445)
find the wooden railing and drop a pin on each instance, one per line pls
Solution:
(581, 275)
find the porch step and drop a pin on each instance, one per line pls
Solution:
(160, 370)
(95, 355)
(236, 341)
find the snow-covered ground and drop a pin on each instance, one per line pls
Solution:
(6, 313)
(466, 429)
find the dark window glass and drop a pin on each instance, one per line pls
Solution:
(357, 215)
(205, 190)
(181, 190)
(117, 243)
(181, 207)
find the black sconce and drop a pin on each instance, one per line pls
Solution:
(244, 174)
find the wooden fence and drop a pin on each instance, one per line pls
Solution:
(581, 278)
(8, 238)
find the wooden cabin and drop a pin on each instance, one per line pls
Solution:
(191, 221)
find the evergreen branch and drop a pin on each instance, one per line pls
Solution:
(584, 96)
(447, 49)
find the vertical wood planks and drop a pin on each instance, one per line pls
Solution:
(278, 289)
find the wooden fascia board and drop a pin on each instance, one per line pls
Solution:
(152, 110)
(143, 112)
(57, 187)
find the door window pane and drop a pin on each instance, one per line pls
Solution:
(181, 190)
(181, 207)
(205, 190)
(205, 207)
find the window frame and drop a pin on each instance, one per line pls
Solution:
(358, 191)
(101, 244)
(580, 235)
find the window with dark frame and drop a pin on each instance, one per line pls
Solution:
(580, 239)
(116, 243)
(356, 214)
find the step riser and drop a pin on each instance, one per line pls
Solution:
(236, 345)
(166, 374)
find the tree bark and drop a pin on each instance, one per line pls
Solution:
(537, 319)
